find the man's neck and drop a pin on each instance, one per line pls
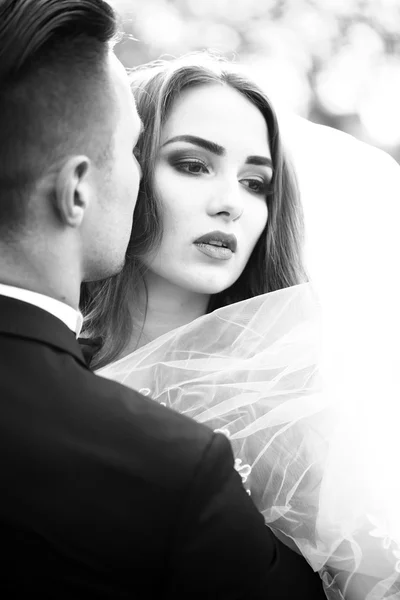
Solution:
(21, 270)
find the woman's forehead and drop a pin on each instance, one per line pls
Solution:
(216, 111)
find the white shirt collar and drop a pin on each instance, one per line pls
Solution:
(72, 318)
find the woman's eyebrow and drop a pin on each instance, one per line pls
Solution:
(263, 161)
(198, 141)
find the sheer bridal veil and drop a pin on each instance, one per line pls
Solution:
(319, 471)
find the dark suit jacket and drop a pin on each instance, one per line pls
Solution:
(106, 494)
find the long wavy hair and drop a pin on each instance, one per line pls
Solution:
(276, 261)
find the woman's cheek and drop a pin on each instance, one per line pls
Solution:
(256, 221)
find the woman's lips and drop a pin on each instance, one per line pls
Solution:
(217, 252)
(217, 244)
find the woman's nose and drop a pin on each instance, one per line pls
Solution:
(226, 200)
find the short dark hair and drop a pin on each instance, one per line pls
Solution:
(53, 89)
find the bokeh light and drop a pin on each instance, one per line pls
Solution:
(335, 62)
(379, 109)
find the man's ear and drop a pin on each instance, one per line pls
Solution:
(72, 190)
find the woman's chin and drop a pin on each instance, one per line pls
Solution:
(192, 281)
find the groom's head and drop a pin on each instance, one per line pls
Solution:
(68, 123)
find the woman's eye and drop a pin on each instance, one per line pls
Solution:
(191, 166)
(255, 185)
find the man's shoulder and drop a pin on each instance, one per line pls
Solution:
(115, 424)
(144, 423)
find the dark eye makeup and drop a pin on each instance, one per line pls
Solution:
(192, 166)
(256, 186)
(184, 162)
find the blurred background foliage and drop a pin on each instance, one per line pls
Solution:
(335, 62)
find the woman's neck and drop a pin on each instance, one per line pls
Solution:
(168, 307)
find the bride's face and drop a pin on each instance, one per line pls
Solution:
(211, 176)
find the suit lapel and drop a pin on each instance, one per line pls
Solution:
(26, 321)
